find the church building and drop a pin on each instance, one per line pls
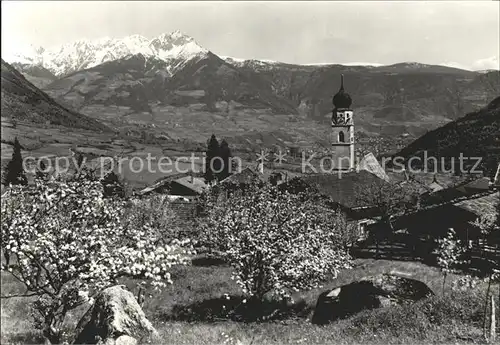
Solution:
(342, 131)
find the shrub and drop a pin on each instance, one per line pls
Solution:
(463, 307)
(64, 241)
(112, 185)
(276, 242)
(424, 319)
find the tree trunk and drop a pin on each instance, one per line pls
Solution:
(51, 336)
(492, 321)
(140, 296)
(444, 281)
(6, 256)
(486, 306)
(481, 246)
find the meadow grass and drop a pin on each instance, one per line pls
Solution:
(194, 310)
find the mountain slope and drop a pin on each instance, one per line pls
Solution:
(35, 74)
(429, 90)
(21, 100)
(221, 81)
(138, 84)
(476, 134)
(129, 82)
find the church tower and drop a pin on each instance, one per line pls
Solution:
(342, 130)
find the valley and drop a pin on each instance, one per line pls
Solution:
(170, 94)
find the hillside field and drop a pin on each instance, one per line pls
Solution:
(191, 311)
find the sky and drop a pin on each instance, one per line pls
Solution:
(457, 33)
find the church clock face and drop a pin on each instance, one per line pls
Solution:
(340, 119)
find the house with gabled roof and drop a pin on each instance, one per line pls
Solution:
(455, 208)
(183, 185)
(245, 177)
(370, 163)
(340, 191)
(342, 187)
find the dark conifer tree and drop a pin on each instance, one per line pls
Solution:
(225, 155)
(14, 173)
(41, 171)
(212, 163)
(79, 161)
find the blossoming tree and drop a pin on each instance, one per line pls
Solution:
(64, 242)
(448, 254)
(277, 242)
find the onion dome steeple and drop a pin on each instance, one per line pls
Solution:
(342, 99)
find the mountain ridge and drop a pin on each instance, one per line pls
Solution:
(87, 53)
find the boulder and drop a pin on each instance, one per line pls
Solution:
(115, 318)
(382, 290)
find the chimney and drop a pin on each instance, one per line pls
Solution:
(192, 179)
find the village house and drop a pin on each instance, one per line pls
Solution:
(186, 186)
(237, 183)
(181, 191)
(456, 209)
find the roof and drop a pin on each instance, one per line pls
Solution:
(197, 185)
(342, 99)
(470, 201)
(434, 187)
(194, 183)
(157, 185)
(426, 178)
(371, 164)
(448, 195)
(342, 187)
(245, 176)
(481, 206)
(482, 183)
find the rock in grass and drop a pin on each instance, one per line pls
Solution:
(115, 319)
(370, 292)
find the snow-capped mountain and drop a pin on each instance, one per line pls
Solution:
(238, 62)
(173, 48)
